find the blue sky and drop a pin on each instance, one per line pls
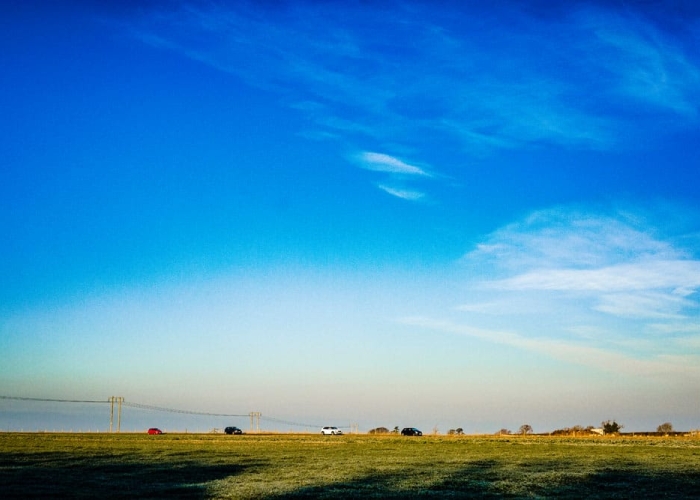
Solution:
(406, 213)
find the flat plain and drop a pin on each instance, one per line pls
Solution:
(276, 466)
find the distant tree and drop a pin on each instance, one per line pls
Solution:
(525, 429)
(611, 427)
(666, 427)
(459, 431)
(436, 431)
(395, 430)
(503, 432)
(379, 430)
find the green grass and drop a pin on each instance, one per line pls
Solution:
(353, 466)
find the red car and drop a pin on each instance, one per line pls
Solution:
(154, 430)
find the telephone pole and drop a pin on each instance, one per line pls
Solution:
(255, 415)
(118, 400)
(119, 414)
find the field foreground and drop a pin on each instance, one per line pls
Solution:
(352, 466)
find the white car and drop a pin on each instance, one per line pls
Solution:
(333, 431)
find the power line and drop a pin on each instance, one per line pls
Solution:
(53, 400)
(187, 412)
(253, 415)
(141, 406)
(286, 422)
(126, 403)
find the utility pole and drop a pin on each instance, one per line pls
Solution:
(119, 414)
(119, 401)
(111, 413)
(255, 415)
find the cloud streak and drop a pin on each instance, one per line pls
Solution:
(424, 69)
(623, 269)
(647, 66)
(396, 170)
(385, 163)
(570, 352)
(681, 276)
(404, 194)
(604, 290)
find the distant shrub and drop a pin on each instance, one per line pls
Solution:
(611, 427)
(379, 430)
(666, 427)
(503, 432)
(576, 430)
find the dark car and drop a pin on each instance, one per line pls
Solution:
(410, 431)
(233, 430)
(154, 430)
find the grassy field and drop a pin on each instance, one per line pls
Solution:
(352, 466)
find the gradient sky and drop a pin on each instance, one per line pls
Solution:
(384, 213)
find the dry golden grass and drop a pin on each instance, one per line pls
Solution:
(351, 466)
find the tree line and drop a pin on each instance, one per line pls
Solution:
(607, 427)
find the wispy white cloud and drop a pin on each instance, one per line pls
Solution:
(604, 290)
(574, 239)
(645, 64)
(679, 328)
(644, 304)
(571, 352)
(679, 276)
(618, 264)
(396, 170)
(404, 194)
(491, 84)
(385, 163)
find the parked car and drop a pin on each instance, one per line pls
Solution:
(333, 431)
(154, 430)
(233, 430)
(410, 431)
